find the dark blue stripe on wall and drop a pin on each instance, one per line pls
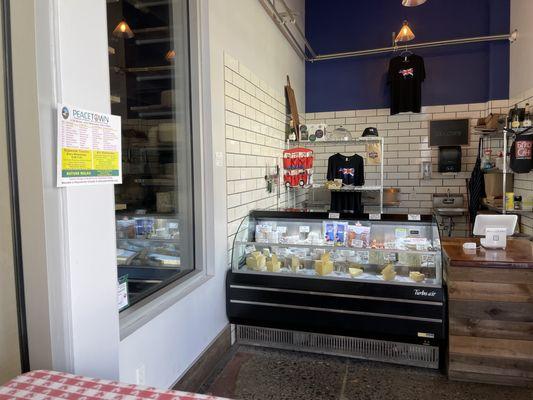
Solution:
(455, 74)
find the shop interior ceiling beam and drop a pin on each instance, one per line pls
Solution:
(273, 13)
(292, 19)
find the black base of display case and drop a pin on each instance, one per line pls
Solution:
(377, 311)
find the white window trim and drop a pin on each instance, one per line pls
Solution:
(147, 309)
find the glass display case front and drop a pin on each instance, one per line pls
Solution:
(148, 252)
(395, 251)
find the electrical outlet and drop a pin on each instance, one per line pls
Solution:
(140, 375)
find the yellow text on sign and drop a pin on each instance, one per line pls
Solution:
(76, 159)
(105, 160)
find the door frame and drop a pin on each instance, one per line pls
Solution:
(13, 183)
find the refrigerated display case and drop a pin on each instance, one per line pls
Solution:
(372, 286)
(148, 252)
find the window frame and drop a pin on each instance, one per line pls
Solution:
(151, 306)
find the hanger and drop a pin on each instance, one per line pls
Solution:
(405, 54)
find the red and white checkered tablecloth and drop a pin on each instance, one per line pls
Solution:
(50, 385)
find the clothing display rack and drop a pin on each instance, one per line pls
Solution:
(287, 17)
(364, 188)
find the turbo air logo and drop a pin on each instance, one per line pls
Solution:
(425, 293)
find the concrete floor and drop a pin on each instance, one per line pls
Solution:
(261, 374)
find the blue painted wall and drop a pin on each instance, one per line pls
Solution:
(454, 74)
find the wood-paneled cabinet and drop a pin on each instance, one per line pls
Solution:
(490, 294)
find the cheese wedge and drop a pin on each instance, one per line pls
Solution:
(323, 267)
(417, 276)
(388, 273)
(256, 261)
(273, 265)
(295, 263)
(355, 272)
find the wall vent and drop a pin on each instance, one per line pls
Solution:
(368, 349)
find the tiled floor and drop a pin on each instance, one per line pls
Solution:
(261, 374)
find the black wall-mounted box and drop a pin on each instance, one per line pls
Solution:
(450, 159)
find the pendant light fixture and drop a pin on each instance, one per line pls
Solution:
(405, 34)
(170, 56)
(412, 3)
(123, 30)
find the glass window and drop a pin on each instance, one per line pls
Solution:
(149, 63)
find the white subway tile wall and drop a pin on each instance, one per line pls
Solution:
(406, 146)
(523, 183)
(255, 140)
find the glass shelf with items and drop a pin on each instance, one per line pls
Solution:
(310, 245)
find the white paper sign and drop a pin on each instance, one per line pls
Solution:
(122, 294)
(89, 150)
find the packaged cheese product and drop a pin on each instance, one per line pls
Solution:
(273, 265)
(417, 276)
(388, 273)
(295, 263)
(324, 266)
(256, 261)
(355, 272)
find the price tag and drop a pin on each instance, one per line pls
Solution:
(304, 229)
(413, 217)
(374, 216)
(357, 243)
(332, 215)
(122, 292)
(282, 229)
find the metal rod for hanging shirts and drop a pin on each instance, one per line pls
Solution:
(491, 38)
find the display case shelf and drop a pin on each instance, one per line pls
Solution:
(155, 240)
(337, 248)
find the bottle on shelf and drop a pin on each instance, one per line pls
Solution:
(515, 122)
(527, 117)
(487, 163)
(499, 161)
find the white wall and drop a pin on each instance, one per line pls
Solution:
(171, 342)
(67, 234)
(256, 121)
(406, 146)
(521, 75)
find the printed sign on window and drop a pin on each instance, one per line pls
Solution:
(88, 147)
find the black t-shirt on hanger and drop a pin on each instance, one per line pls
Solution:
(406, 75)
(351, 170)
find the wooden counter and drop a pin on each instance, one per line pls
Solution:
(490, 299)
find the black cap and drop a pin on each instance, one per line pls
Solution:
(370, 132)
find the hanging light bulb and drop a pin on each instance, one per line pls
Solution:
(412, 3)
(170, 56)
(123, 30)
(405, 34)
